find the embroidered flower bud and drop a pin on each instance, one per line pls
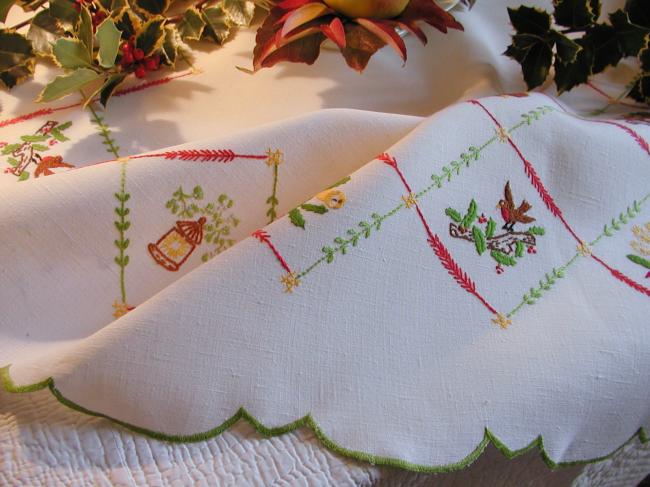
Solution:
(333, 198)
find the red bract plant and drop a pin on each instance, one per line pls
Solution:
(295, 29)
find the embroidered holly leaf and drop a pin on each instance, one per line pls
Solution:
(296, 218)
(536, 230)
(191, 25)
(33, 138)
(71, 53)
(320, 209)
(43, 31)
(23, 176)
(64, 85)
(470, 216)
(519, 249)
(16, 58)
(576, 13)
(639, 260)
(490, 228)
(479, 239)
(151, 7)
(502, 258)
(217, 25)
(108, 38)
(150, 38)
(454, 215)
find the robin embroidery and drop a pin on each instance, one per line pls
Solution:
(512, 214)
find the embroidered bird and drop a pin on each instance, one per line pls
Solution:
(512, 214)
(47, 163)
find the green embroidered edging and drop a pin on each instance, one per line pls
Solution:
(308, 421)
(549, 279)
(454, 167)
(104, 132)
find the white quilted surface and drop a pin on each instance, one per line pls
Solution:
(42, 443)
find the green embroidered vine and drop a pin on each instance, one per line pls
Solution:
(549, 280)
(454, 168)
(219, 224)
(104, 131)
(308, 421)
(333, 198)
(122, 224)
(273, 199)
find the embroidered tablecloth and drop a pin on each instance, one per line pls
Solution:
(411, 288)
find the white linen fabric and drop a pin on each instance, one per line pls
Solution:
(384, 349)
(60, 279)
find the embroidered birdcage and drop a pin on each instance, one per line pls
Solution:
(175, 247)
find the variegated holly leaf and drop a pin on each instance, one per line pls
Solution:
(109, 87)
(217, 24)
(174, 47)
(108, 38)
(191, 25)
(641, 88)
(239, 12)
(71, 53)
(85, 29)
(65, 12)
(150, 37)
(576, 13)
(43, 31)
(151, 7)
(70, 83)
(16, 58)
(127, 22)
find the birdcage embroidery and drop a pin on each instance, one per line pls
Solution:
(175, 247)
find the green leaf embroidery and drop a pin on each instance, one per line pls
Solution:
(470, 216)
(454, 215)
(479, 239)
(320, 209)
(491, 227)
(502, 258)
(536, 230)
(296, 218)
(639, 260)
(519, 248)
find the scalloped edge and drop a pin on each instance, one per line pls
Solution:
(10, 386)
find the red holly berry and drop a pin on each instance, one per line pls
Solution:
(152, 63)
(127, 59)
(126, 46)
(138, 54)
(140, 72)
(482, 218)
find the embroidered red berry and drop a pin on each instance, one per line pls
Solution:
(499, 269)
(2, 144)
(53, 142)
(140, 72)
(138, 54)
(482, 218)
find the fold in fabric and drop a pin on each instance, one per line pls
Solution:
(425, 281)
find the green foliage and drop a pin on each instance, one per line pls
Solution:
(519, 249)
(470, 216)
(490, 228)
(66, 84)
(479, 239)
(502, 258)
(296, 218)
(71, 54)
(536, 230)
(43, 31)
(108, 38)
(639, 260)
(16, 58)
(577, 45)
(454, 215)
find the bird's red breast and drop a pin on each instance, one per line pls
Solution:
(505, 214)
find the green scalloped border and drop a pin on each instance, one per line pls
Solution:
(307, 421)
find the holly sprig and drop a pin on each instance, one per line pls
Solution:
(578, 46)
(101, 43)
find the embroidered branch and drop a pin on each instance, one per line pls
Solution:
(122, 224)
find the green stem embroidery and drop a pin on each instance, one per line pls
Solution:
(549, 280)
(273, 199)
(454, 168)
(104, 132)
(122, 225)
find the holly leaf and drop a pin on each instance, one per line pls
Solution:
(109, 87)
(16, 58)
(576, 13)
(638, 12)
(71, 53)
(64, 12)
(108, 38)
(217, 25)
(127, 22)
(528, 20)
(605, 46)
(64, 85)
(150, 38)
(569, 75)
(535, 56)
(43, 31)
(5, 6)
(631, 38)
(296, 218)
(239, 12)
(191, 25)
(151, 7)
(566, 50)
(85, 30)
